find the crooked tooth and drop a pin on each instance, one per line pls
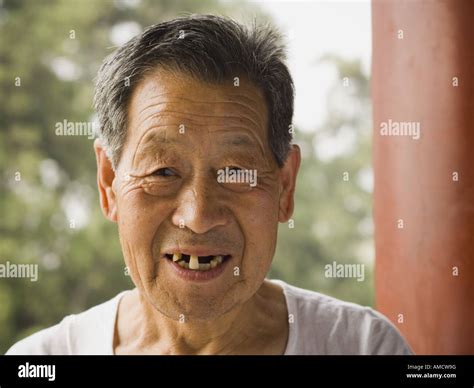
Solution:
(176, 256)
(216, 261)
(193, 262)
(204, 267)
(185, 265)
(181, 263)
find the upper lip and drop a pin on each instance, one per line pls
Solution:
(197, 251)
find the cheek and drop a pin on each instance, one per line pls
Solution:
(259, 222)
(139, 218)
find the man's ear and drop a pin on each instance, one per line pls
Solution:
(288, 173)
(105, 179)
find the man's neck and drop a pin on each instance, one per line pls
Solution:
(260, 326)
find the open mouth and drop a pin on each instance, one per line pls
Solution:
(197, 263)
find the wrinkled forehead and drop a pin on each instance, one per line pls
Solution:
(175, 101)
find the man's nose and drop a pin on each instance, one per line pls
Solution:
(199, 208)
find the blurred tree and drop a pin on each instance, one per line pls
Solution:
(50, 52)
(332, 219)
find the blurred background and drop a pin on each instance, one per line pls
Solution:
(50, 52)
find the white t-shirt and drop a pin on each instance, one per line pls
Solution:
(319, 324)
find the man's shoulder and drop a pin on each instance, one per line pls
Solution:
(327, 325)
(311, 302)
(89, 332)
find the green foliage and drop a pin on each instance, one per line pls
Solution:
(332, 219)
(83, 266)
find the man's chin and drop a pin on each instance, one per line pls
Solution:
(192, 307)
(184, 294)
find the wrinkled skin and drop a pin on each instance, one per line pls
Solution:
(164, 194)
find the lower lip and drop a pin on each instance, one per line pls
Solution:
(195, 275)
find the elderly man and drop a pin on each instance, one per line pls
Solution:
(196, 166)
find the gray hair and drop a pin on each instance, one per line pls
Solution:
(211, 48)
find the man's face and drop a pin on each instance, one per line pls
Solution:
(168, 199)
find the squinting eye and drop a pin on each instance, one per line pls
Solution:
(165, 172)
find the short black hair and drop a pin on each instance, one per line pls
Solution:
(211, 48)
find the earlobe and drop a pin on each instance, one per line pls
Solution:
(105, 179)
(288, 172)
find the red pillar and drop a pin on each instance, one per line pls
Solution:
(423, 71)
